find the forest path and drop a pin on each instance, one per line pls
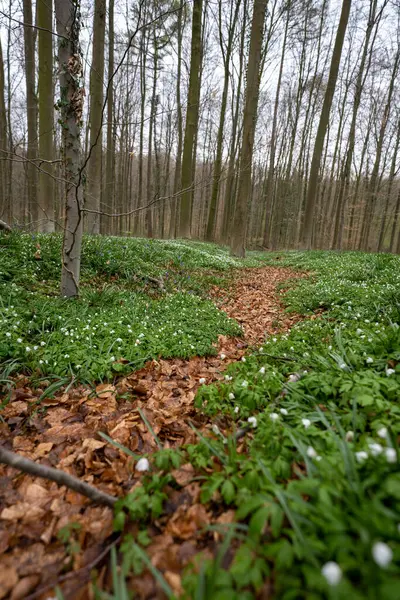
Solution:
(63, 432)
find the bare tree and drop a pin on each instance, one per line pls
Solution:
(238, 239)
(71, 106)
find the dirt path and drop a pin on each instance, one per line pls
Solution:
(62, 432)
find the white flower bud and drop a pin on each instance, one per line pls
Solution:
(332, 572)
(142, 465)
(382, 554)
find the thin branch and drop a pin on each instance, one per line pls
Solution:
(32, 26)
(60, 477)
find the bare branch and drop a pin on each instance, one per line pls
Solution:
(60, 477)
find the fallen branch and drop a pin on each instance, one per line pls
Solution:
(60, 477)
(5, 226)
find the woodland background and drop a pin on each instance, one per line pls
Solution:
(136, 60)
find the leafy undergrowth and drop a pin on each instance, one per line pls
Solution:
(302, 466)
(140, 299)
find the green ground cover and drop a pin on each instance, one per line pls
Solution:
(317, 493)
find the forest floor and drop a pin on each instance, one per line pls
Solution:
(267, 449)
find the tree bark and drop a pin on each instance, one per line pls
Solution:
(307, 226)
(46, 203)
(31, 110)
(238, 239)
(93, 193)
(71, 106)
(192, 115)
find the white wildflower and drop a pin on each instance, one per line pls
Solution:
(231, 396)
(349, 437)
(382, 432)
(306, 423)
(252, 421)
(27, 349)
(142, 465)
(390, 372)
(8, 334)
(274, 416)
(19, 340)
(311, 452)
(262, 370)
(243, 359)
(361, 456)
(283, 411)
(382, 554)
(369, 360)
(222, 356)
(245, 384)
(202, 380)
(332, 572)
(375, 448)
(215, 429)
(236, 410)
(391, 455)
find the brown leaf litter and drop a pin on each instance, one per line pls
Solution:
(62, 432)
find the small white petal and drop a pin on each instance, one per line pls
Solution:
(361, 456)
(283, 411)
(252, 421)
(236, 410)
(142, 465)
(306, 422)
(390, 372)
(231, 396)
(202, 380)
(391, 455)
(375, 448)
(349, 437)
(222, 356)
(369, 360)
(382, 554)
(332, 572)
(274, 416)
(382, 432)
(262, 370)
(311, 452)
(243, 359)
(215, 429)
(245, 384)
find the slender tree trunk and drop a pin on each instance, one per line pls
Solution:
(178, 162)
(269, 196)
(108, 225)
(3, 145)
(93, 190)
(323, 123)
(46, 207)
(192, 115)
(71, 106)
(210, 232)
(31, 110)
(372, 189)
(392, 173)
(238, 239)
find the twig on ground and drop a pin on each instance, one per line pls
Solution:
(60, 477)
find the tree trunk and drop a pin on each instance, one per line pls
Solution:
(71, 106)
(31, 111)
(210, 233)
(192, 115)
(238, 240)
(46, 110)
(323, 123)
(108, 225)
(93, 191)
(3, 144)
(269, 195)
